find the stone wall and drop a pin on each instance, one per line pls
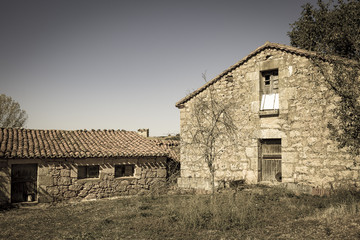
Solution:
(57, 179)
(309, 156)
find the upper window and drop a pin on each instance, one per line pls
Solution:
(269, 86)
(124, 170)
(88, 171)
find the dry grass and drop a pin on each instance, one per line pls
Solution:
(260, 213)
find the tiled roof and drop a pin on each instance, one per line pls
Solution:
(267, 45)
(29, 143)
(172, 147)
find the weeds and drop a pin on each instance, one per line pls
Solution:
(271, 213)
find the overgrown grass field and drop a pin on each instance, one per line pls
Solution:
(257, 213)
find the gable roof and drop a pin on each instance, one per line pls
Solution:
(267, 45)
(30, 143)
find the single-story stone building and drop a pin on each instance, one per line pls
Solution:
(281, 106)
(55, 165)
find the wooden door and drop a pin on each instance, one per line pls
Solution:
(23, 182)
(270, 160)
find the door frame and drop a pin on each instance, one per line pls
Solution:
(28, 184)
(262, 142)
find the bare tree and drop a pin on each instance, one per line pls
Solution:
(211, 130)
(11, 115)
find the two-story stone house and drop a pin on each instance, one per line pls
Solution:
(281, 107)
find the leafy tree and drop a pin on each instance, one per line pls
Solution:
(332, 30)
(329, 29)
(11, 115)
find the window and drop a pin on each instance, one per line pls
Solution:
(270, 160)
(269, 90)
(124, 170)
(88, 171)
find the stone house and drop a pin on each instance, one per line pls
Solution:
(56, 165)
(281, 106)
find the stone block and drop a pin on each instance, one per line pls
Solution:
(73, 173)
(46, 180)
(270, 123)
(289, 157)
(53, 190)
(75, 187)
(287, 170)
(161, 172)
(250, 177)
(91, 196)
(65, 173)
(133, 192)
(252, 76)
(251, 152)
(236, 166)
(123, 182)
(45, 198)
(42, 170)
(151, 174)
(89, 185)
(121, 188)
(83, 193)
(69, 194)
(102, 184)
(64, 181)
(141, 181)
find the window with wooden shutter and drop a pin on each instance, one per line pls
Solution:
(269, 87)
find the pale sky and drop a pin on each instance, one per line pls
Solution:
(106, 64)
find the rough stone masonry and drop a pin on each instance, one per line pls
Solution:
(308, 158)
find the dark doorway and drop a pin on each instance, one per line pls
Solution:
(23, 182)
(270, 160)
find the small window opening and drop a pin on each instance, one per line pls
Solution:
(267, 80)
(88, 172)
(124, 170)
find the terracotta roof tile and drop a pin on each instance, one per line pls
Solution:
(30, 143)
(172, 147)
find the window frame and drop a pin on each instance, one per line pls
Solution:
(120, 170)
(269, 92)
(86, 172)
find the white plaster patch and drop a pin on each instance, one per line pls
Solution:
(290, 71)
